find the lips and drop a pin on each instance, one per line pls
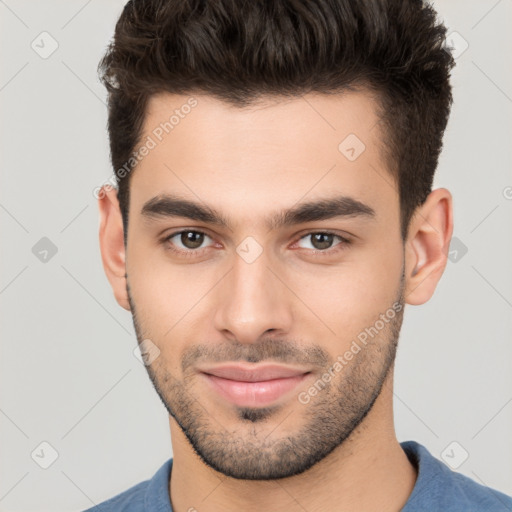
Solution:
(255, 374)
(253, 385)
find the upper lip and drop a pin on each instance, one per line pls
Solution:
(251, 373)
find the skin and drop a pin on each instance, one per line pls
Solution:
(247, 164)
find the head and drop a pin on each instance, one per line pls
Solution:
(274, 164)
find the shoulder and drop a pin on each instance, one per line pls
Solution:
(142, 496)
(439, 488)
(130, 500)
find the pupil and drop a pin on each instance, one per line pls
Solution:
(322, 240)
(192, 239)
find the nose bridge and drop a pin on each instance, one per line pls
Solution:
(251, 299)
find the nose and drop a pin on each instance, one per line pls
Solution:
(252, 302)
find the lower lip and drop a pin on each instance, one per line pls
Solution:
(254, 394)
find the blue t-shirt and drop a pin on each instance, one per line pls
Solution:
(437, 489)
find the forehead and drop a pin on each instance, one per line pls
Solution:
(271, 154)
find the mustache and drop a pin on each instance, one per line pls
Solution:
(264, 350)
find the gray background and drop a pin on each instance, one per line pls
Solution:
(67, 369)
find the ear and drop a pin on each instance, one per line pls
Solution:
(427, 246)
(112, 247)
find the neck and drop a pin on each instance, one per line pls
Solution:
(368, 471)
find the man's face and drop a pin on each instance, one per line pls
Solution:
(251, 316)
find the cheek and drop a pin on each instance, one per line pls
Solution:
(167, 296)
(377, 286)
(352, 295)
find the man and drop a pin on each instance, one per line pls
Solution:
(273, 216)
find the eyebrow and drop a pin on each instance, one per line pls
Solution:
(168, 206)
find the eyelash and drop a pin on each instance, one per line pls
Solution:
(315, 252)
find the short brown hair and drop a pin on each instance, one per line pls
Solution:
(242, 50)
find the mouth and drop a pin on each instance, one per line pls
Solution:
(253, 385)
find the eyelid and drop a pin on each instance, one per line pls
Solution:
(344, 241)
(344, 236)
(168, 236)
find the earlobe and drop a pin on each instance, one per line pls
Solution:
(111, 237)
(427, 246)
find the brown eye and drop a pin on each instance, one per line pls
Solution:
(192, 239)
(188, 240)
(322, 241)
